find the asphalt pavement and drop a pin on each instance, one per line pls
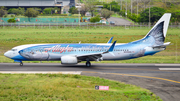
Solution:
(119, 21)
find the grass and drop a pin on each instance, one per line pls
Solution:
(68, 87)
(13, 36)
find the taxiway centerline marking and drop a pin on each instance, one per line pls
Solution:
(137, 69)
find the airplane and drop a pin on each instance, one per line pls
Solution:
(152, 43)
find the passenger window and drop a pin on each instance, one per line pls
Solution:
(13, 49)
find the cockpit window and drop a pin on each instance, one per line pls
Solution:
(13, 49)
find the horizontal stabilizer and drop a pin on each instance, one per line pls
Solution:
(163, 45)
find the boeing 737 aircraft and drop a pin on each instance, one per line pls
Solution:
(152, 43)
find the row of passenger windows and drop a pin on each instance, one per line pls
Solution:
(104, 50)
(79, 50)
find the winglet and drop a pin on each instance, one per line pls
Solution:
(111, 48)
(110, 40)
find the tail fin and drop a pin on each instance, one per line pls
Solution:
(160, 29)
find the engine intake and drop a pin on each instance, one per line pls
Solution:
(69, 60)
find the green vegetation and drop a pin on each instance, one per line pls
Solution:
(12, 36)
(158, 8)
(31, 12)
(47, 11)
(175, 16)
(105, 13)
(91, 7)
(53, 15)
(48, 16)
(68, 87)
(12, 20)
(95, 19)
(84, 9)
(12, 16)
(113, 6)
(73, 10)
(17, 11)
(2, 11)
(51, 10)
(156, 13)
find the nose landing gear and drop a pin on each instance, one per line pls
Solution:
(21, 63)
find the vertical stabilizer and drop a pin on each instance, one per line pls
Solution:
(165, 20)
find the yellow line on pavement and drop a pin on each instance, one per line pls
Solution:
(142, 69)
(137, 76)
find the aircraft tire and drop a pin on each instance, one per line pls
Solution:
(21, 64)
(88, 64)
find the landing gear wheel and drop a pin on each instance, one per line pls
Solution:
(21, 64)
(88, 64)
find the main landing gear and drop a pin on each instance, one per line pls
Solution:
(21, 63)
(88, 64)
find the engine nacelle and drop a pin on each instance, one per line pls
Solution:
(69, 60)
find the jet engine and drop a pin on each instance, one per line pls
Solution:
(69, 60)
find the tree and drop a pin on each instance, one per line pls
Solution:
(156, 14)
(113, 6)
(30, 12)
(133, 17)
(21, 11)
(95, 19)
(84, 9)
(55, 8)
(10, 10)
(47, 11)
(106, 13)
(17, 11)
(50, 10)
(175, 16)
(3, 11)
(73, 10)
(91, 7)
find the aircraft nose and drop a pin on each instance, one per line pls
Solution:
(7, 54)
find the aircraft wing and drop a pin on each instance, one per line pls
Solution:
(163, 45)
(95, 56)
